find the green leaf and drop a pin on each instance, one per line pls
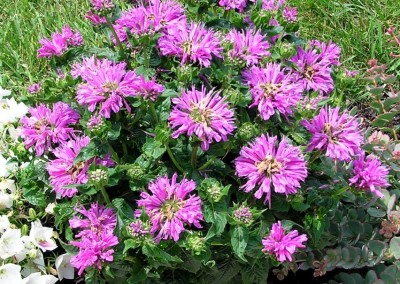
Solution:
(257, 273)
(375, 212)
(153, 148)
(115, 131)
(130, 244)
(395, 247)
(123, 208)
(218, 225)
(239, 239)
(156, 253)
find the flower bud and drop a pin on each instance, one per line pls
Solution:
(247, 131)
(32, 213)
(243, 215)
(196, 243)
(135, 172)
(98, 175)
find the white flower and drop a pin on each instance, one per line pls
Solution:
(11, 110)
(4, 223)
(28, 247)
(4, 168)
(41, 236)
(7, 184)
(36, 264)
(6, 200)
(50, 208)
(4, 93)
(10, 274)
(38, 278)
(11, 243)
(64, 267)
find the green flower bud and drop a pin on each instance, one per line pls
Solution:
(135, 172)
(196, 243)
(24, 230)
(98, 175)
(32, 213)
(247, 131)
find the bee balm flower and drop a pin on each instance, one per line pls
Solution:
(204, 114)
(171, 206)
(268, 165)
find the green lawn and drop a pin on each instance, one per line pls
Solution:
(356, 25)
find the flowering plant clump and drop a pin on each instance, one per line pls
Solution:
(200, 142)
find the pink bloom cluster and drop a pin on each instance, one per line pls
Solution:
(96, 237)
(272, 5)
(47, 126)
(102, 4)
(239, 5)
(249, 46)
(266, 164)
(142, 20)
(191, 42)
(273, 89)
(282, 245)
(137, 229)
(59, 43)
(206, 115)
(337, 134)
(63, 170)
(171, 206)
(370, 174)
(34, 88)
(315, 65)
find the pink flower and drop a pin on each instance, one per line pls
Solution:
(266, 164)
(206, 115)
(233, 4)
(337, 134)
(281, 245)
(95, 19)
(249, 46)
(156, 17)
(64, 171)
(46, 127)
(171, 206)
(34, 88)
(370, 174)
(272, 5)
(147, 89)
(97, 237)
(192, 43)
(102, 4)
(59, 43)
(290, 14)
(273, 89)
(105, 84)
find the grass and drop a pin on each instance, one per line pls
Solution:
(356, 25)
(22, 24)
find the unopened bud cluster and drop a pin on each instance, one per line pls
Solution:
(243, 215)
(135, 172)
(98, 175)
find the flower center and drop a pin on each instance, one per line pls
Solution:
(187, 47)
(328, 130)
(270, 89)
(110, 87)
(200, 116)
(309, 72)
(269, 166)
(170, 207)
(74, 170)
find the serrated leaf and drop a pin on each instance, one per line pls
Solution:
(239, 239)
(395, 247)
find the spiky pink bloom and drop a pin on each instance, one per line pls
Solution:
(338, 135)
(282, 245)
(64, 171)
(272, 5)
(234, 4)
(34, 88)
(59, 43)
(192, 43)
(290, 14)
(144, 20)
(249, 46)
(102, 4)
(96, 237)
(370, 174)
(148, 89)
(273, 89)
(206, 115)
(95, 19)
(137, 229)
(171, 206)
(98, 218)
(106, 84)
(315, 65)
(45, 127)
(266, 164)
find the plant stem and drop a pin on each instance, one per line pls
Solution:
(171, 155)
(193, 160)
(153, 112)
(203, 167)
(105, 195)
(119, 44)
